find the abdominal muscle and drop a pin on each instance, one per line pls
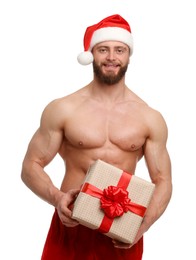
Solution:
(77, 162)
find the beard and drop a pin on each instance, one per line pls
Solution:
(109, 78)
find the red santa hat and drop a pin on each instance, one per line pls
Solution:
(112, 28)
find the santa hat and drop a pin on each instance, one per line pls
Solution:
(112, 28)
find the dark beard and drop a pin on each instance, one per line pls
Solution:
(108, 79)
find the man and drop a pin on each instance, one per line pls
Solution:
(103, 120)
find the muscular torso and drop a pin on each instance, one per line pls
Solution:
(114, 133)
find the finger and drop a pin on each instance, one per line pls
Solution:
(119, 244)
(122, 246)
(69, 197)
(69, 222)
(74, 192)
(73, 195)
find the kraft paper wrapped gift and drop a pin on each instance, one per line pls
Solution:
(112, 201)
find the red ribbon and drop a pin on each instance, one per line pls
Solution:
(114, 201)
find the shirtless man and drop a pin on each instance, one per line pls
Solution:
(103, 120)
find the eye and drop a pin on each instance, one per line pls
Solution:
(102, 50)
(120, 50)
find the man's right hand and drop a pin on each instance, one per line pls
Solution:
(64, 209)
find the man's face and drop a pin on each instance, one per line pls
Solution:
(110, 61)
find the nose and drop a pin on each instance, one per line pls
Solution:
(111, 55)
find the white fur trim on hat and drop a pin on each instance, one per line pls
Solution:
(112, 34)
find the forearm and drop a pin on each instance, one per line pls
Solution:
(36, 179)
(158, 204)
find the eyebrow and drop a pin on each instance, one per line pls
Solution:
(115, 47)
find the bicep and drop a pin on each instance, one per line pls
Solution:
(156, 153)
(43, 146)
(47, 140)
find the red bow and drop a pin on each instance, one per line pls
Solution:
(114, 201)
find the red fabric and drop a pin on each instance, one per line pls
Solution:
(111, 21)
(80, 243)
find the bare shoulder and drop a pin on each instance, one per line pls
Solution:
(61, 108)
(150, 113)
(156, 123)
(153, 118)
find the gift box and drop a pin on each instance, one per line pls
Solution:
(112, 201)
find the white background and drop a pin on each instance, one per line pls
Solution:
(39, 43)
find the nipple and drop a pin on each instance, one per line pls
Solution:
(132, 146)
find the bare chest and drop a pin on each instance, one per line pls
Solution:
(95, 129)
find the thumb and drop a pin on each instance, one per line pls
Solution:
(73, 195)
(74, 192)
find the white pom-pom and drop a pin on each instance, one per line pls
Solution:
(85, 58)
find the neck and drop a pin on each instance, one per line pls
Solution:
(108, 93)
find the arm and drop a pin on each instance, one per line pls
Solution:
(159, 167)
(42, 148)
